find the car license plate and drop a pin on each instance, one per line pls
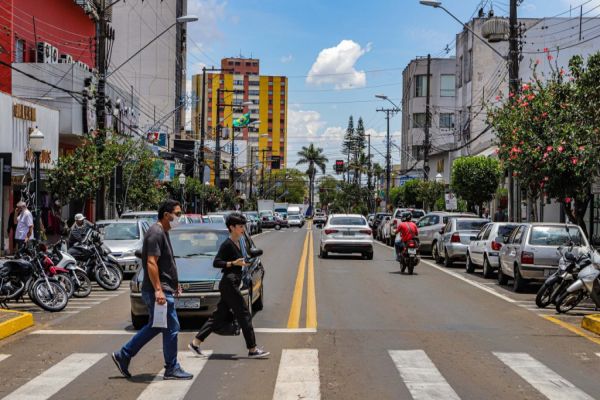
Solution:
(183, 303)
(131, 267)
(548, 272)
(412, 251)
(348, 233)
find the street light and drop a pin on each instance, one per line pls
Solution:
(388, 167)
(36, 143)
(181, 186)
(439, 178)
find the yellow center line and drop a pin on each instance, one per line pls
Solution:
(311, 301)
(572, 328)
(294, 317)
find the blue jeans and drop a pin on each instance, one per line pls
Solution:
(147, 333)
(399, 245)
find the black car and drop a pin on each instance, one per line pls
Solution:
(194, 248)
(378, 218)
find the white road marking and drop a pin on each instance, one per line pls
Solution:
(598, 354)
(546, 381)
(420, 375)
(160, 389)
(298, 375)
(56, 377)
(285, 330)
(4, 356)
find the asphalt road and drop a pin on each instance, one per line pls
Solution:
(362, 331)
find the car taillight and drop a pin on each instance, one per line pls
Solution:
(330, 231)
(526, 257)
(412, 244)
(365, 231)
(496, 246)
(455, 238)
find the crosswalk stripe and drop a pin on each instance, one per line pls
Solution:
(4, 356)
(298, 375)
(56, 377)
(545, 380)
(598, 354)
(160, 389)
(420, 375)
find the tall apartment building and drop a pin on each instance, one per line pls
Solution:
(240, 82)
(442, 123)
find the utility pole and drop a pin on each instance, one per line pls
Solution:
(202, 127)
(513, 79)
(262, 173)
(232, 166)
(388, 167)
(369, 175)
(179, 65)
(101, 33)
(251, 172)
(426, 142)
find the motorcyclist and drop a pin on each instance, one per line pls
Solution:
(406, 230)
(79, 229)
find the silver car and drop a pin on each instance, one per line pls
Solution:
(122, 238)
(531, 251)
(484, 249)
(346, 233)
(456, 236)
(429, 230)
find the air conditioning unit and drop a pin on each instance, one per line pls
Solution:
(66, 59)
(44, 52)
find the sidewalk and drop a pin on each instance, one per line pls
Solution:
(12, 322)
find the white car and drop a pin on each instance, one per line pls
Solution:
(346, 233)
(295, 220)
(484, 249)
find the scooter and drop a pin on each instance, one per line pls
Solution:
(409, 258)
(586, 285)
(82, 286)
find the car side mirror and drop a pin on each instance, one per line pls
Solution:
(254, 252)
(138, 253)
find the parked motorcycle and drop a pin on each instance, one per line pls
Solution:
(409, 258)
(82, 286)
(93, 258)
(35, 249)
(586, 285)
(556, 284)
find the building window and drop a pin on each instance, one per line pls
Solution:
(270, 111)
(419, 120)
(468, 66)
(417, 152)
(446, 121)
(270, 92)
(282, 102)
(460, 70)
(238, 82)
(421, 86)
(447, 86)
(253, 92)
(270, 102)
(19, 51)
(270, 121)
(282, 93)
(270, 83)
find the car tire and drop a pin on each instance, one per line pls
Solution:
(487, 268)
(470, 267)
(447, 261)
(138, 321)
(502, 279)
(436, 253)
(519, 283)
(258, 303)
(322, 253)
(369, 256)
(277, 227)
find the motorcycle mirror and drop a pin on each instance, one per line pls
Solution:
(138, 253)
(254, 252)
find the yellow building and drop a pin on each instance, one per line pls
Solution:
(240, 82)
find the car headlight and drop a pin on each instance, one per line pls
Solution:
(216, 285)
(130, 253)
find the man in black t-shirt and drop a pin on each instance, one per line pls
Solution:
(160, 285)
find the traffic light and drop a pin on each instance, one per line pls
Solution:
(339, 166)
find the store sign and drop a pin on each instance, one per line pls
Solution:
(45, 156)
(451, 201)
(21, 111)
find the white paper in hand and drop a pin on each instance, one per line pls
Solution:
(160, 316)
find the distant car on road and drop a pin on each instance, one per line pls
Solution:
(295, 220)
(484, 249)
(320, 218)
(346, 233)
(271, 222)
(455, 239)
(429, 230)
(531, 251)
(122, 238)
(194, 248)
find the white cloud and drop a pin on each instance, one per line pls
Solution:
(287, 59)
(335, 65)
(304, 124)
(209, 13)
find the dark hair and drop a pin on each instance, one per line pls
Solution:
(406, 216)
(167, 206)
(235, 219)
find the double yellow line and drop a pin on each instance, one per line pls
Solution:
(311, 299)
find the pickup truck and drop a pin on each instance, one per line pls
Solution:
(320, 219)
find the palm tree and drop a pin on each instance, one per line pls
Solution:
(313, 156)
(360, 167)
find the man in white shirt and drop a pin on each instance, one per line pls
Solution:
(24, 222)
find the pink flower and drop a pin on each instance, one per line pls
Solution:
(581, 148)
(544, 114)
(546, 179)
(550, 57)
(524, 104)
(545, 49)
(496, 151)
(525, 86)
(531, 97)
(561, 72)
(560, 149)
(574, 160)
(511, 94)
(537, 62)
(549, 148)
(567, 200)
(545, 156)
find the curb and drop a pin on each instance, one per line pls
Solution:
(591, 323)
(20, 321)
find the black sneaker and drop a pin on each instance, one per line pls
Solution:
(258, 353)
(177, 374)
(122, 364)
(196, 350)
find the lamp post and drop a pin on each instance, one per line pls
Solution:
(181, 186)
(439, 178)
(36, 143)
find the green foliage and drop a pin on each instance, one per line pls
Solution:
(288, 185)
(410, 193)
(328, 187)
(396, 195)
(348, 143)
(475, 179)
(314, 157)
(142, 191)
(351, 198)
(428, 192)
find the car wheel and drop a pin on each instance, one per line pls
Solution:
(258, 303)
(518, 282)
(447, 261)
(139, 321)
(470, 268)
(502, 279)
(436, 253)
(322, 253)
(277, 227)
(487, 268)
(369, 256)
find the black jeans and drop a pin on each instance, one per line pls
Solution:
(231, 299)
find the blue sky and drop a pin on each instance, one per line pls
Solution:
(337, 54)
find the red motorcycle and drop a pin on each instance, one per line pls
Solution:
(409, 258)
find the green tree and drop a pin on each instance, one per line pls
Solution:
(428, 192)
(314, 157)
(475, 179)
(328, 187)
(288, 185)
(410, 194)
(351, 198)
(348, 145)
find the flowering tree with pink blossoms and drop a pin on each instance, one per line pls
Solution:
(549, 134)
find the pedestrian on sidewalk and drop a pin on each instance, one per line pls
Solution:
(230, 259)
(24, 221)
(11, 229)
(160, 286)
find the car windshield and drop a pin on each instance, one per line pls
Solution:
(192, 244)
(146, 217)
(470, 225)
(293, 217)
(505, 230)
(347, 221)
(417, 213)
(216, 219)
(120, 231)
(555, 236)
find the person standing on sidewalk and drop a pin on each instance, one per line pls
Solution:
(230, 259)
(24, 221)
(160, 286)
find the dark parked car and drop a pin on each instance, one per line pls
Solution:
(271, 222)
(194, 248)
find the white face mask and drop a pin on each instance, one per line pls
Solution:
(175, 221)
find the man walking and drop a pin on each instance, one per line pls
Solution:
(160, 286)
(24, 221)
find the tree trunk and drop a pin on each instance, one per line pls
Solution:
(576, 214)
